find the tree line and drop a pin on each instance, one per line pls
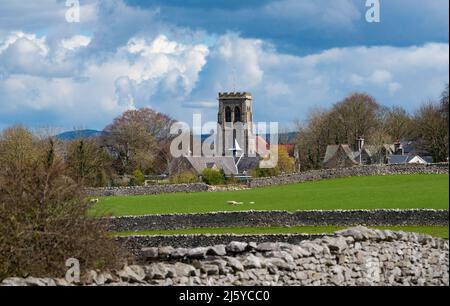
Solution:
(360, 115)
(137, 143)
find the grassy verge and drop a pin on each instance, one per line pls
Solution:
(375, 192)
(436, 231)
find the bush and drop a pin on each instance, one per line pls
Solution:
(286, 165)
(184, 178)
(213, 177)
(138, 178)
(43, 219)
(263, 172)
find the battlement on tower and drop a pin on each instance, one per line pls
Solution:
(235, 95)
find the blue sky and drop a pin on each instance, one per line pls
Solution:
(304, 26)
(175, 55)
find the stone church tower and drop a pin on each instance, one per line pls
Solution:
(235, 122)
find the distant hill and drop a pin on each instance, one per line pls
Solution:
(74, 135)
(283, 138)
(288, 138)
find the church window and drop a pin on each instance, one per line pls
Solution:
(237, 115)
(227, 114)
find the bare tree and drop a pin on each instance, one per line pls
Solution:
(398, 123)
(313, 139)
(445, 102)
(87, 162)
(357, 115)
(134, 137)
(445, 113)
(431, 131)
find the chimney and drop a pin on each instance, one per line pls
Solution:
(398, 150)
(360, 144)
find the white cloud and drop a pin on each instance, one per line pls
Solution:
(124, 92)
(174, 77)
(132, 77)
(165, 59)
(26, 43)
(380, 77)
(76, 42)
(73, 77)
(285, 87)
(235, 62)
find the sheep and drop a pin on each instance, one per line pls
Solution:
(233, 203)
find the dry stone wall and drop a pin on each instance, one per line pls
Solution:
(146, 190)
(278, 180)
(354, 257)
(350, 172)
(135, 244)
(281, 218)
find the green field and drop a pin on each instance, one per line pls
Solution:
(376, 192)
(436, 231)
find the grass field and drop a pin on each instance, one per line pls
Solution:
(436, 231)
(376, 192)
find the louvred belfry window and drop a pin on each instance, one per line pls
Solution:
(227, 114)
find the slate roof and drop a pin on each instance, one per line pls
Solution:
(331, 151)
(350, 153)
(413, 148)
(371, 151)
(222, 162)
(402, 159)
(247, 164)
(398, 159)
(408, 146)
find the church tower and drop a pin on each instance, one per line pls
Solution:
(235, 122)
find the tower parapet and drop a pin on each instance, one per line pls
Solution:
(235, 95)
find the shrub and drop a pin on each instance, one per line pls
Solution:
(43, 219)
(184, 178)
(138, 178)
(286, 164)
(213, 177)
(263, 172)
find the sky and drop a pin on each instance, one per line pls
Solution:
(174, 56)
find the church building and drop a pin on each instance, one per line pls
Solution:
(235, 144)
(235, 121)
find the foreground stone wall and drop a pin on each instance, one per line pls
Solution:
(354, 257)
(146, 190)
(135, 244)
(350, 172)
(281, 218)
